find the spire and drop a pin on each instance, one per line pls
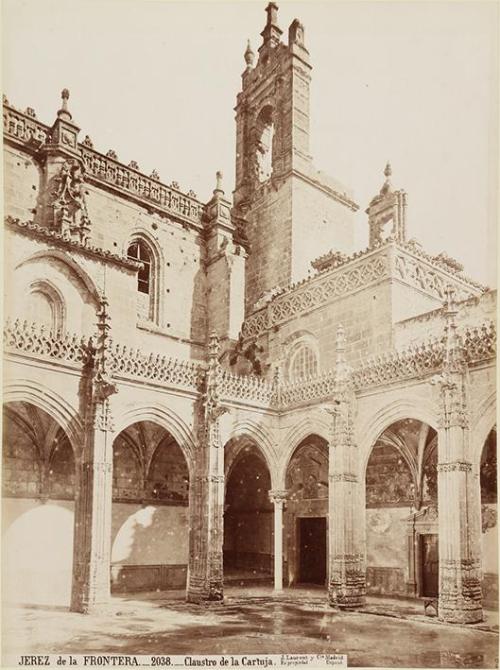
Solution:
(249, 56)
(272, 32)
(64, 113)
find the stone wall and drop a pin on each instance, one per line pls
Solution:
(386, 550)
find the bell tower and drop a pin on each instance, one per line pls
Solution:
(291, 213)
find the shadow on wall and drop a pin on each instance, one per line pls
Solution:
(149, 547)
(38, 557)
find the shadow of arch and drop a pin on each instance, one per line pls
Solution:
(37, 553)
(165, 418)
(56, 406)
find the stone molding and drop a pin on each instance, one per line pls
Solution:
(37, 232)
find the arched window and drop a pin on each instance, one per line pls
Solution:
(303, 362)
(147, 284)
(139, 251)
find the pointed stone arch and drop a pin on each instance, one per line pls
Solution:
(167, 419)
(55, 405)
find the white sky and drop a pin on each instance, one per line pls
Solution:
(413, 82)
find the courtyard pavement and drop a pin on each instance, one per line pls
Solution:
(387, 633)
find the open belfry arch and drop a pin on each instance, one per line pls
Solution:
(189, 405)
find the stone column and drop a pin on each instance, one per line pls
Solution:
(206, 499)
(460, 597)
(278, 499)
(347, 580)
(92, 538)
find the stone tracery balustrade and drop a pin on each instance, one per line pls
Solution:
(41, 341)
(477, 345)
(128, 362)
(109, 170)
(22, 127)
(305, 390)
(339, 275)
(249, 387)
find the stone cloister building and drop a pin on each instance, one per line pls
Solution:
(186, 402)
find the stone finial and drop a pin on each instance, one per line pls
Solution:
(213, 345)
(64, 111)
(386, 188)
(218, 183)
(340, 359)
(451, 341)
(450, 305)
(272, 32)
(272, 14)
(155, 175)
(249, 56)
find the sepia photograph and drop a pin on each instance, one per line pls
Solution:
(249, 370)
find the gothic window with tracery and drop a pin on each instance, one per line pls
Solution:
(303, 362)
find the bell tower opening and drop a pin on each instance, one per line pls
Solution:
(264, 149)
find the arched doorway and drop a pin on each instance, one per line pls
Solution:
(248, 549)
(489, 520)
(401, 511)
(150, 511)
(38, 481)
(306, 513)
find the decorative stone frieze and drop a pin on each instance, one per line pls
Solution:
(478, 345)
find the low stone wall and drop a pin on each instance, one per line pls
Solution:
(248, 560)
(129, 578)
(386, 581)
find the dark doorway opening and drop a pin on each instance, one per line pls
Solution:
(429, 561)
(312, 543)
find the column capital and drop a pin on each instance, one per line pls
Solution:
(278, 496)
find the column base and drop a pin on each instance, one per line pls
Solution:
(349, 594)
(460, 596)
(203, 592)
(460, 610)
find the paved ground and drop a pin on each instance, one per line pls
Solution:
(388, 633)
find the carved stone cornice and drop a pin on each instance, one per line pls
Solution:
(36, 232)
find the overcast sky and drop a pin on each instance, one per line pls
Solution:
(412, 82)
